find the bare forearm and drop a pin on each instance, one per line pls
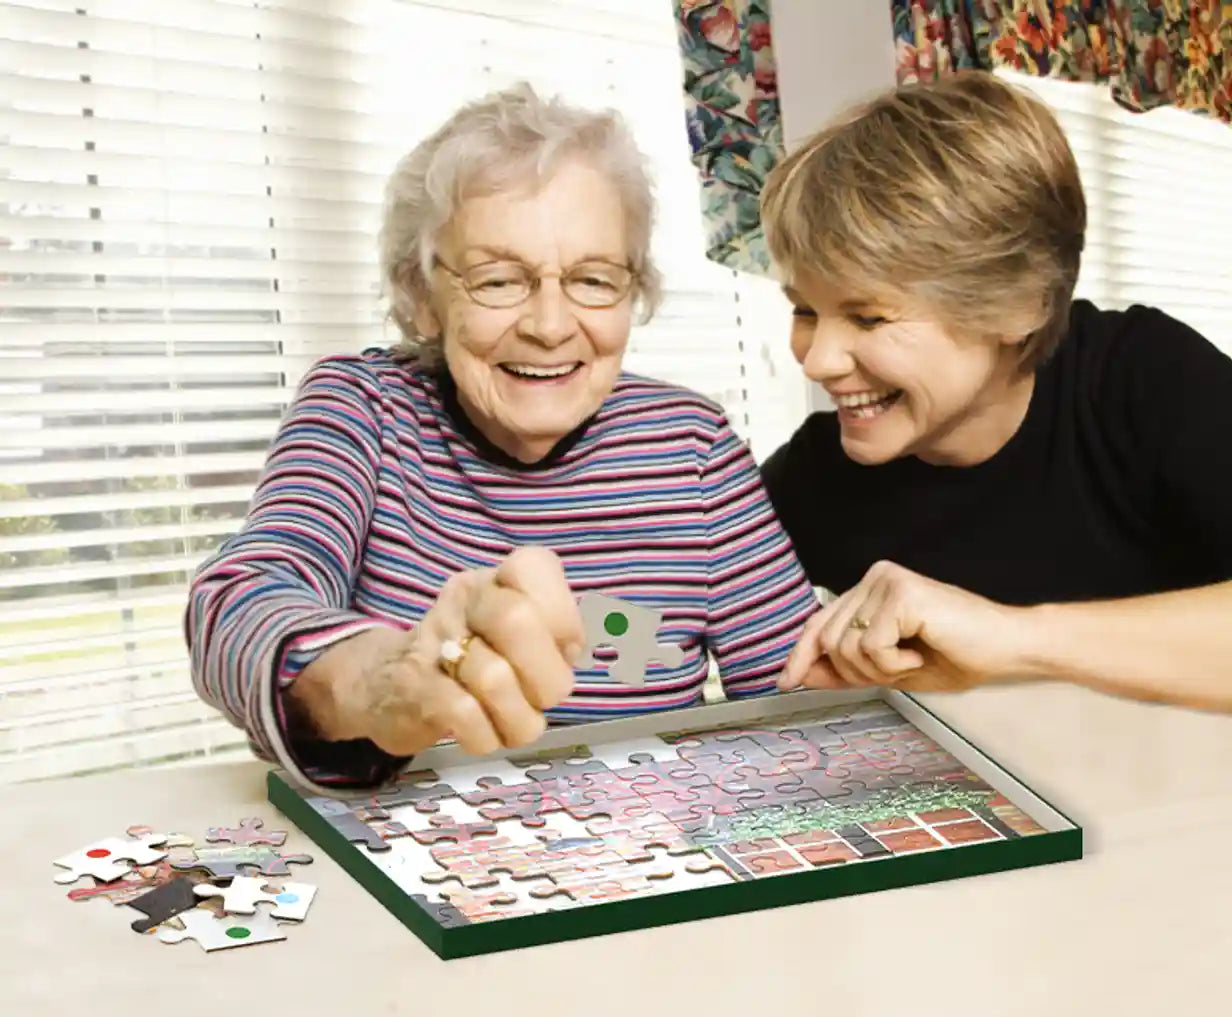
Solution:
(1171, 647)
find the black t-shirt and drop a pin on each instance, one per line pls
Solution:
(1117, 483)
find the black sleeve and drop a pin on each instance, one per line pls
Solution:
(1180, 398)
(790, 475)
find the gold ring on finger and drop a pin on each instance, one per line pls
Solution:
(860, 623)
(451, 654)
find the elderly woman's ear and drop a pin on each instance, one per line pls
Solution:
(416, 293)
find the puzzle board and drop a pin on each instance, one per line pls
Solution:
(737, 807)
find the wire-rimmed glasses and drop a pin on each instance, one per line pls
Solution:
(503, 284)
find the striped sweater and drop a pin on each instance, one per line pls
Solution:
(377, 488)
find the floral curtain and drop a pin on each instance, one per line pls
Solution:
(1151, 53)
(732, 112)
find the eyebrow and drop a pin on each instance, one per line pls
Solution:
(509, 254)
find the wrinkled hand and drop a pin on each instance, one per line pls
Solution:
(526, 631)
(896, 627)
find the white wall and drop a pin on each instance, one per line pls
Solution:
(829, 54)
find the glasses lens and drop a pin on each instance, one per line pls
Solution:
(498, 283)
(597, 284)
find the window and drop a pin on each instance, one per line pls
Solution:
(1159, 221)
(189, 196)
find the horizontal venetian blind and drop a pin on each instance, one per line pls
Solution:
(189, 198)
(1159, 218)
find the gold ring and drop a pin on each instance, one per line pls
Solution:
(860, 623)
(451, 653)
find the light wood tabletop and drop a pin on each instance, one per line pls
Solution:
(1141, 925)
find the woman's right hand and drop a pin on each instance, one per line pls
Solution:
(525, 633)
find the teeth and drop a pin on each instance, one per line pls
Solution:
(533, 371)
(862, 398)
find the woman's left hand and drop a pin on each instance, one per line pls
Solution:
(896, 627)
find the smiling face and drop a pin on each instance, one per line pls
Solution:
(901, 383)
(527, 375)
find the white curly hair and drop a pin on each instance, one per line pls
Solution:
(506, 138)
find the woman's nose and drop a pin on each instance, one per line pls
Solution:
(548, 316)
(828, 354)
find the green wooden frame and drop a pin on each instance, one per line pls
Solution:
(1062, 843)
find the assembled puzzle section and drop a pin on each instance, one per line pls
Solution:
(681, 824)
(177, 891)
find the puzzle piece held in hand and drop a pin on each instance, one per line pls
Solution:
(291, 900)
(106, 859)
(631, 630)
(248, 832)
(213, 933)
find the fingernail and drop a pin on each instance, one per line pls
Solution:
(787, 683)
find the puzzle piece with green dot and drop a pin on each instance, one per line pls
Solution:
(629, 629)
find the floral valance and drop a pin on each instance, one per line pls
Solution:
(1150, 53)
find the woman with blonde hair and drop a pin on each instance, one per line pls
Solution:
(1013, 483)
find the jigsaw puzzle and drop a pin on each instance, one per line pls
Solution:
(629, 629)
(109, 859)
(203, 894)
(674, 815)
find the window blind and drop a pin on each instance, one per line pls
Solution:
(1159, 221)
(189, 198)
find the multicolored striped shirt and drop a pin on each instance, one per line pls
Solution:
(377, 488)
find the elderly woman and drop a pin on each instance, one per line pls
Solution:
(1013, 483)
(410, 565)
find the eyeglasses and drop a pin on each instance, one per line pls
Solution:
(503, 284)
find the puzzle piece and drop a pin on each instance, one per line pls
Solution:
(128, 887)
(497, 800)
(592, 887)
(631, 630)
(342, 817)
(166, 841)
(445, 828)
(229, 862)
(422, 789)
(291, 900)
(163, 902)
(248, 832)
(106, 859)
(561, 764)
(212, 933)
(442, 912)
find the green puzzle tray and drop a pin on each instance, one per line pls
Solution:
(681, 815)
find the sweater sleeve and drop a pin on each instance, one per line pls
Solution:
(759, 597)
(278, 593)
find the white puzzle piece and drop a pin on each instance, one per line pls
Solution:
(223, 933)
(631, 630)
(291, 900)
(107, 860)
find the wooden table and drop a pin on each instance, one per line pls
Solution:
(1142, 925)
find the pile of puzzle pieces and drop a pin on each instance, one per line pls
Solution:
(209, 894)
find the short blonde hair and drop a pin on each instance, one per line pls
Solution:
(963, 194)
(506, 139)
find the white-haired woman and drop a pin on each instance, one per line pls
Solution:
(1015, 483)
(410, 564)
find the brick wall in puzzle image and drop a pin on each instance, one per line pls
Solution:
(901, 794)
